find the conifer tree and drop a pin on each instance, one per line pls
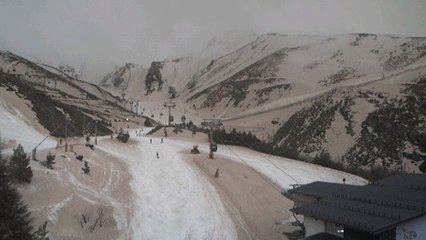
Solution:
(15, 222)
(20, 166)
(42, 233)
(50, 160)
(86, 168)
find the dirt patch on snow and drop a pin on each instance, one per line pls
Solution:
(256, 205)
(79, 206)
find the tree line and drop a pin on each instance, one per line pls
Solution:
(250, 141)
(15, 219)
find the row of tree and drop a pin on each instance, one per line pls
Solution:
(250, 140)
(15, 220)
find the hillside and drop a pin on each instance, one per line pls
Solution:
(274, 67)
(119, 198)
(312, 94)
(52, 97)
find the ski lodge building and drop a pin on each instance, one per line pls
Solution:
(393, 208)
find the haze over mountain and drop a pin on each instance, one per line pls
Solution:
(141, 31)
(328, 88)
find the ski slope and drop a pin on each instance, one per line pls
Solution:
(282, 171)
(15, 127)
(172, 201)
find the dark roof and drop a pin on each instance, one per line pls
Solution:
(321, 189)
(323, 236)
(406, 180)
(372, 208)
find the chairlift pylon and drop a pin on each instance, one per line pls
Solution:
(213, 147)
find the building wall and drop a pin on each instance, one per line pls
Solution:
(313, 226)
(412, 230)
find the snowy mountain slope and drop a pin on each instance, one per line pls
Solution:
(226, 43)
(379, 123)
(175, 72)
(323, 76)
(52, 97)
(274, 67)
(24, 130)
(306, 93)
(287, 66)
(119, 78)
(33, 73)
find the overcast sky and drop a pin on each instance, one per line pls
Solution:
(73, 31)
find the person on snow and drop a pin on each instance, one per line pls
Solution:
(216, 175)
(161, 140)
(158, 156)
(150, 140)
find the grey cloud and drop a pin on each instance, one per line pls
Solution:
(144, 30)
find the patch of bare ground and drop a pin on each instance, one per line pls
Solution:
(256, 205)
(80, 206)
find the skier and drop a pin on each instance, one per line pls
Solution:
(158, 155)
(161, 140)
(150, 140)
(216, 175)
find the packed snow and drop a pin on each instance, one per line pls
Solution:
(16, 128)
(172, 201)
(282, 171)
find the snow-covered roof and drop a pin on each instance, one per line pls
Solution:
(372, 208)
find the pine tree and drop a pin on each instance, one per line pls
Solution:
(50, 160)
(42, 233)
(20, 166)
(15, 222)
(123, 137)
(86, 168)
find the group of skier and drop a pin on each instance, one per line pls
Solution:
(139, 134)
(161, 141)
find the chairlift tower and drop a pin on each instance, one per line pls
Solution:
(170, 105)
(67, 118)
(34, 152)
(212, 123)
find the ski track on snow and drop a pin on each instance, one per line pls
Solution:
(172, 200)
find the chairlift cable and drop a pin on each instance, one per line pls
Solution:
(264, 157)
(268, 181)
